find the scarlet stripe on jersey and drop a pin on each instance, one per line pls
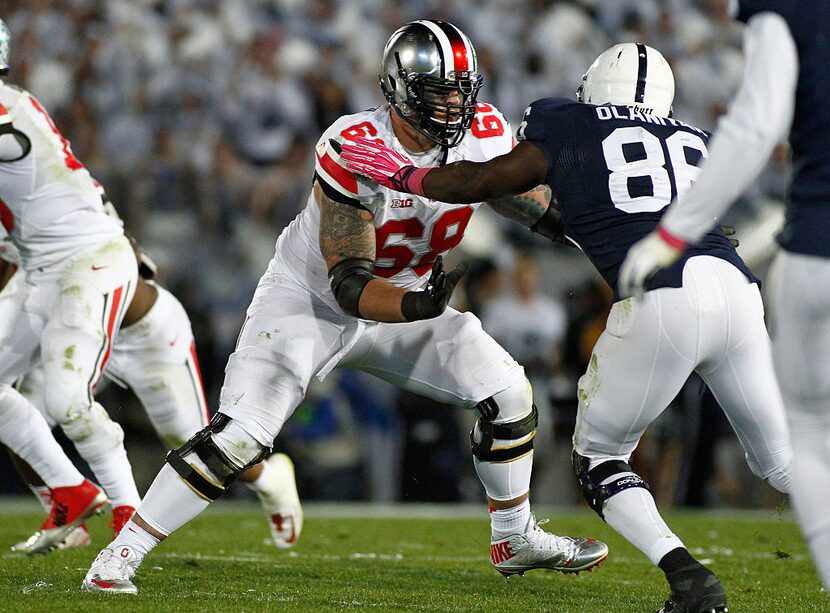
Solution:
(196, 379)
(5, 120)
(343, 177)
(114, 308)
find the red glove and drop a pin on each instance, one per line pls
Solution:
(375, 160)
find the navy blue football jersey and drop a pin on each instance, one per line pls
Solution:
(807, 229)
(613, 171)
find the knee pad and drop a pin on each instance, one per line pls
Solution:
(506, 425)
(621, 476)
(206, 466)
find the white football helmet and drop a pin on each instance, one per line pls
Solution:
(630, 74)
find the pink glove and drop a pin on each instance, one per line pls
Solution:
(380, 163)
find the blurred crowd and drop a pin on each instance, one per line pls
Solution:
(199, 117)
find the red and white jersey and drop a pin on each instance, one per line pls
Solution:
(49, 203)
(410, 231)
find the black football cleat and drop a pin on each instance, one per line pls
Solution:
(695, 589)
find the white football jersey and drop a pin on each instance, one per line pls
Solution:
(411, 231)
(49, 203)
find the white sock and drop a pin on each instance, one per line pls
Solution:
(43, 495)
(504, 522)
(633, 514)
(170, 503)
(24, 430)
(261, 482)
(136, 538)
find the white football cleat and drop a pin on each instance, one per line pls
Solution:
(78, 538)
(539, 549)
(281, 502)
(112, 571)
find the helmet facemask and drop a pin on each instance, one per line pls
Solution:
(442, 109)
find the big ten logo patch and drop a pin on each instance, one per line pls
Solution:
(401, 203)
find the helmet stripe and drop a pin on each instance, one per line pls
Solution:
(458, 45)
(642, 69)
(445, 47)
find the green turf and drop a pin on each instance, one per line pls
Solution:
(400, 562)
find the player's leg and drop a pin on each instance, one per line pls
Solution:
(26, 433)
(283, 343)
(452, 360)
(156, 358)
(638, 366)
(744, 384)
(799, 289)
(93, 292)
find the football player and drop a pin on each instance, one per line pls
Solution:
(80, 275)
(614, 160)
(155, 356)
(358, 280)
(785, 88)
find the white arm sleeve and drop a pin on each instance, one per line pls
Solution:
(758, 119)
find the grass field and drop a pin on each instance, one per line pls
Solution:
(413, 558)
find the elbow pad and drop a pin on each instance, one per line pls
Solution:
(348, 279)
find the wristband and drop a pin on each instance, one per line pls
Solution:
(671, 240)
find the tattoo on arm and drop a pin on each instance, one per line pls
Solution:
(525, 208)
(345, 231)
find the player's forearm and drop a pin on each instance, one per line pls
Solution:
(381, 301)
(462, 182)
(526, 208)
(757, 121)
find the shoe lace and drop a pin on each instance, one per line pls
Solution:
(552, 542)
(114, 566)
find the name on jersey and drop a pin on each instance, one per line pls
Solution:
(401, 203)
(620, 112)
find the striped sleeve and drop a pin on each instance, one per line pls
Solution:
(6, 126)
(337, 182)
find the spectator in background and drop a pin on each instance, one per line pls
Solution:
(531, 326)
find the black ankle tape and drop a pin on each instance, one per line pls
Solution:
(677, 559)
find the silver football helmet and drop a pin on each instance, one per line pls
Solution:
(429, 74)
(5, 47)
(630, 74)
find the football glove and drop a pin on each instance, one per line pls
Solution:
(434, 298)
(389, 168)
(647, 256)
(550, 226)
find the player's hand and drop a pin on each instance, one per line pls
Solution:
(647, 256)
(435, 297)
(375, 160)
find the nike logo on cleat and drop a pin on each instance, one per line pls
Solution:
(60, 515)
(104, 584)
(95, 267)
(500, 552)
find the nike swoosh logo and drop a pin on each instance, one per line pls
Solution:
(100, 267)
